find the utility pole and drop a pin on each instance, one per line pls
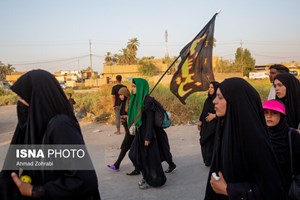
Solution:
(166, 43)
(91, 64)
(241, 61)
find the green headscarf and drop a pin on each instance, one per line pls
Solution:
(136, 104)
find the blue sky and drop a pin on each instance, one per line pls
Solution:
(53, 34)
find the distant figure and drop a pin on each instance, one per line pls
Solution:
(71, 100)
(208, 124)
(116, 101)
(274, 71)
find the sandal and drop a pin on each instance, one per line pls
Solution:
(171, 169)
(113, 167)
(142, 182)
(133, 173)
(144, 186)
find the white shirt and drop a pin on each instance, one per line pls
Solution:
(272, 93)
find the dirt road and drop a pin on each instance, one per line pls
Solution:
(188, 182)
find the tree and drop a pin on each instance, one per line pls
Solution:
(5, 70)
(132, 47)
(148, 68)
(223, 66)
(243, 61)
(108, 59)
(124, 57)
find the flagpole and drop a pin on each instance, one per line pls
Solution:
(172, 65)
(164, 74)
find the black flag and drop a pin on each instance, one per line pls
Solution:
(195, 69)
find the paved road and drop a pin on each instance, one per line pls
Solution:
(188, 182)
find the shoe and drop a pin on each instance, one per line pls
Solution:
(144, 186)
(142, 182)
(113, 167)
(171, 169)
(133, 173)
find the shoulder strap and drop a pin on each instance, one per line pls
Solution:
(291, 151)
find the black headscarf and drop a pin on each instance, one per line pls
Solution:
(291, 99)
(208, 104)
(46, 99)
(279, 135)
(208, 107)
(243, 151)
(49, 119)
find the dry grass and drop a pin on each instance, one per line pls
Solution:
(97, 105)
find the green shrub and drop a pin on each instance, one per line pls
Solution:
(8, 98)
(262, 87)
(148, 68)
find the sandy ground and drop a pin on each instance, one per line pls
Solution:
(188, 181)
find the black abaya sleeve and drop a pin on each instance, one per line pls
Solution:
(296, 151)
(68, 184)
(149, 119)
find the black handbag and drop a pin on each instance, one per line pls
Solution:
(294, 191)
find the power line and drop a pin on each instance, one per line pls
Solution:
(49, 61)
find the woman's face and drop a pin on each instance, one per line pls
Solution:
(220, 104)
(121, 97)
(211, 89)
(272, 117)
(280, 89)
(133, 88)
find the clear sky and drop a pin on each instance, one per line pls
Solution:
(55, 34)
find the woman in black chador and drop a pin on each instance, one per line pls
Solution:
(45, 117)
(150, 146)
(207, 124)
(243, 157)
(287, 89)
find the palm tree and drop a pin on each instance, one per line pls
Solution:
(133, 44)
(132, 47)
(5, 70)
(116, 59)
(108, 59)
(125, 56)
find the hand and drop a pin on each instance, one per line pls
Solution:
(25, 188)
(199, 125)
(123, 117)
(147, 142)
(219, 186)
(210, 117)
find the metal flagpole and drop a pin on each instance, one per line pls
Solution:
(164, 74)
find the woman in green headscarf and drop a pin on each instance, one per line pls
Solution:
(144, 151)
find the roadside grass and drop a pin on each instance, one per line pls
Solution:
(97, 105)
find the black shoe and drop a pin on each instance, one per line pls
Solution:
(133, 173)
(171, 169)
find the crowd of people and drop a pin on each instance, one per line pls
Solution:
(245, 143)
(256, 147)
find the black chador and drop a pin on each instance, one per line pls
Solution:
(208, 129)
(49, 119)
(243, 151)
